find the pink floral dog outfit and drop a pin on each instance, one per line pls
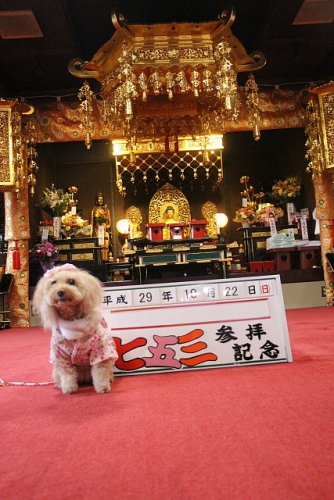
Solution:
(83, 351)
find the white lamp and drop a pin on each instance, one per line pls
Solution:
(123, 227)
(221, 221)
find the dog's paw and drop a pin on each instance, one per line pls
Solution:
(102, 374)
(70, 389)
(102, 389)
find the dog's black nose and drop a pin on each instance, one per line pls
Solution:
(60, 293)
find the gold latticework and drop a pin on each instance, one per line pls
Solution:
(182, 167)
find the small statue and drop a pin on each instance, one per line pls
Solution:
(133, 215)
(209, 211)
(100, 216)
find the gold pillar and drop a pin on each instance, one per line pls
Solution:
(17, 232)
(320, 143)
(324, 196)
(14, 182)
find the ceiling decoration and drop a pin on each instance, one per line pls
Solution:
(170, 71)
(36, 68)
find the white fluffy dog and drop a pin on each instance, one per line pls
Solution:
(69, 301)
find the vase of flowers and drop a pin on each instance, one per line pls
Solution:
(55, 201)
(101, 217)
(245, 215)
(266, 211)
(72, 224)
(286, 191)
(46, 254)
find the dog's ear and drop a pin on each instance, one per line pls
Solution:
(41, 306)
(93, 293)
(38, 294)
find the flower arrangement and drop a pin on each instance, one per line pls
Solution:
(267, 210)
(245, 214)
(55, 201)
(72, 224)
(285, 191)
(45, 253)
(101, 217)
(70, 219)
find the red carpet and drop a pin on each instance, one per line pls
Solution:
(251, 433)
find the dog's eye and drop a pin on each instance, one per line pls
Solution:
(71, 282)
(53, 282)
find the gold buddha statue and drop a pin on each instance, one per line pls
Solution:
(169, 216)
(170, 206)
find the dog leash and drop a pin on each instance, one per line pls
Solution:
(4, 383)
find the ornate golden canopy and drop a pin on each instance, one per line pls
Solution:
(169, 70)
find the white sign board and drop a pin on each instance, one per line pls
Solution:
(197, 324)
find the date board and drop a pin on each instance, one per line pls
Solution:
(198, 324)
